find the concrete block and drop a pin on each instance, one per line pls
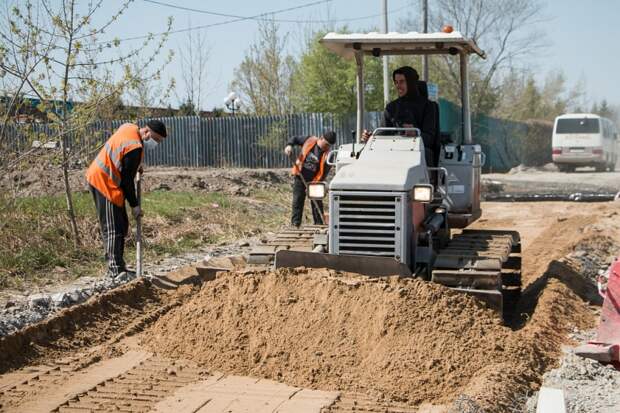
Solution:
(551, 401)
(60, 299)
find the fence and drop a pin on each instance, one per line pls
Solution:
(239, 141)
(502, 141)
(257, 142)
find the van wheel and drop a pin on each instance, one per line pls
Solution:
(601, 168)
(566, 168)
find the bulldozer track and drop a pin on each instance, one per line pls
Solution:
(134, 382)
(483, 263)
(137, 390)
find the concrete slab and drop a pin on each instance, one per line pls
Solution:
(551, 401)
(236, 394)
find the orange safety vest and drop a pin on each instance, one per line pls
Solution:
(104, 173)
(305, 150)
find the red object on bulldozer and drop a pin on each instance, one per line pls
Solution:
(606, 347)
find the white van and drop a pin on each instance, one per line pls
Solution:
(584, 139)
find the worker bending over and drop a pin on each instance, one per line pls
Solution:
(310, 166)
(111, 180)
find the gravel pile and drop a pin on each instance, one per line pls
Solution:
(588, 386)
(595, 255)
(24, 311)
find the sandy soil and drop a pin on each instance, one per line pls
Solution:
(387, 345)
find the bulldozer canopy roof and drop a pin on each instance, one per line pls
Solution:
(399, 43)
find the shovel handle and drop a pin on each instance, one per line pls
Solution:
(139, 226)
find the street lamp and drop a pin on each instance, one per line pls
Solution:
(232, 102)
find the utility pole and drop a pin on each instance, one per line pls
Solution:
(425, 30)
(386, 83)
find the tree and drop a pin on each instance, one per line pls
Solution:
(67, 62)
(146, 93)
(188, 108)
(18, 61)
(604, 110)
(263, 79)
(504, 29)
(326, 82)
(194, 58)
(523, 99)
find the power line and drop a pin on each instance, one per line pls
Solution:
(236, 19)
(259, 17)
(213, 13)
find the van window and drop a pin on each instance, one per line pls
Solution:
(577, 126)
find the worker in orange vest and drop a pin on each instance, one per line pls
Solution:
(311, 165)
(111, 179)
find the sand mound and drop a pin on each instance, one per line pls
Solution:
(405, 340)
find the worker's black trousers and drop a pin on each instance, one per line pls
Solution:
(299, 198)
(114, 225)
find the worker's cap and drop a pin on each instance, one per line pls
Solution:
(329, 136)
(158, 127)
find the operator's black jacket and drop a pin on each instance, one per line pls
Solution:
(415, 110)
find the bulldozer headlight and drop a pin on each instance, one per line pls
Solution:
(316, 190)
(423, 193)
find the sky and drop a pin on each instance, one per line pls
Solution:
(578, 35)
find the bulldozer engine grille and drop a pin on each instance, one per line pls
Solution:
(367, 224)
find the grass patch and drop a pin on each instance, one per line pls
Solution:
(36, 244)
(36, 207)
(173, 205)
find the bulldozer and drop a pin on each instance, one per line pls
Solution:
(392, 214)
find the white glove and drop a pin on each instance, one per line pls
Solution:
(288, 150)
(137, 212)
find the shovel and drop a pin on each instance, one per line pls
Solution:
(139, 226)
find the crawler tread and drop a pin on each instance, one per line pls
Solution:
(459, 257)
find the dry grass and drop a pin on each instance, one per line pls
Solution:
(36, 247)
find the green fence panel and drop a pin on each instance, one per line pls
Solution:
(501, 140)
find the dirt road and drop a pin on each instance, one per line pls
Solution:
(541, 180)
(316, 338)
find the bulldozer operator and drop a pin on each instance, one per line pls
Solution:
(310, 166)
(412, 109)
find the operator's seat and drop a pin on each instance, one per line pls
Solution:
(436, 144)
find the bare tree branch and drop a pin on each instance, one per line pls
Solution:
(264, 76)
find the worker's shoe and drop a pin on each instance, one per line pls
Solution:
(110, 275)
(124, 277)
